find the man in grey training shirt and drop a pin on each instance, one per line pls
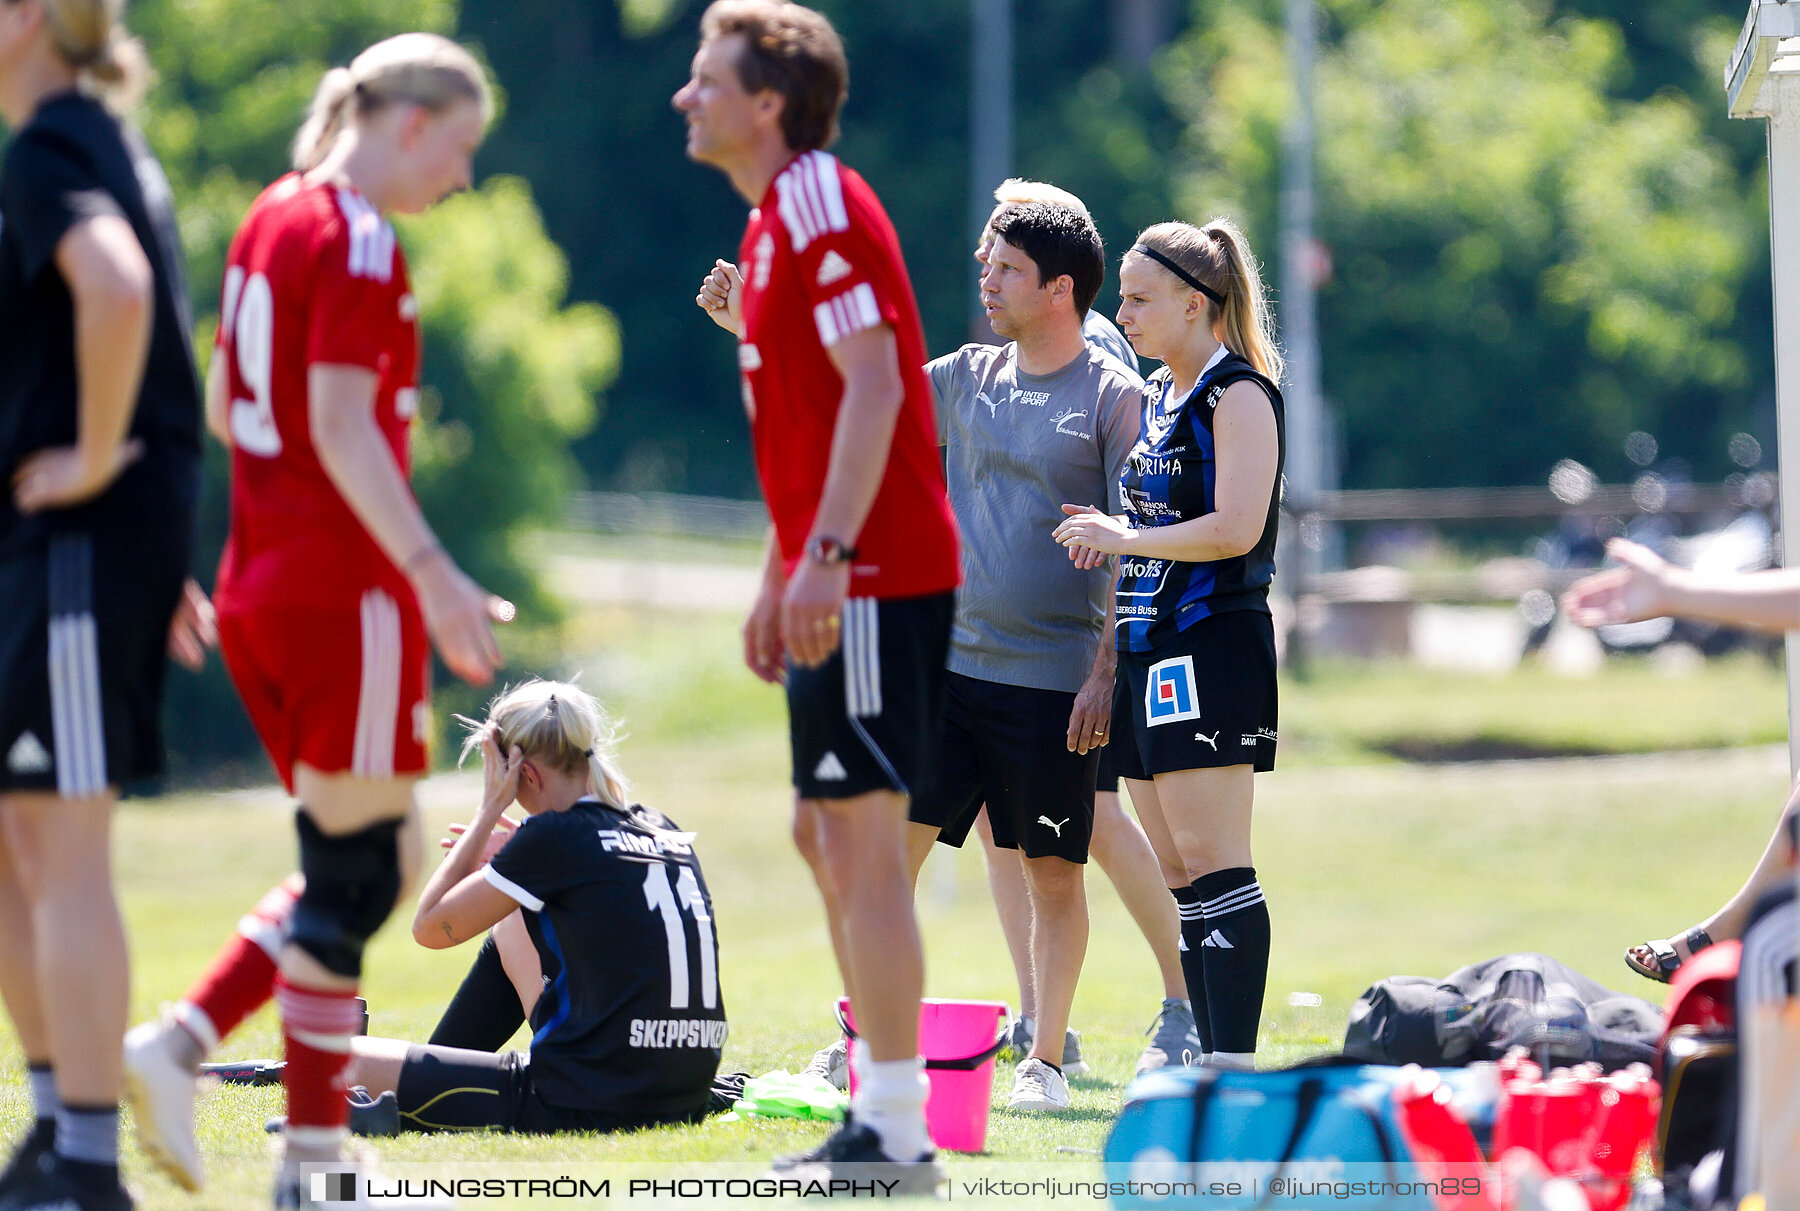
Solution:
(1118, 844)
(1027, 426)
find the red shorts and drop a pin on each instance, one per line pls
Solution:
(343, 690)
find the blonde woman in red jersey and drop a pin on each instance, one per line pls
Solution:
(331, 579)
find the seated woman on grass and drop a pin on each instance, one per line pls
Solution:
(602, 932)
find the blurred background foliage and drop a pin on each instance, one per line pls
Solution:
(1544, 231)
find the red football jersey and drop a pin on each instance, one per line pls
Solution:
(820, 262)
(314, 276)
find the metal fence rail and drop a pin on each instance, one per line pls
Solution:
(667, 513)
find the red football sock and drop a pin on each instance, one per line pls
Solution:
(317, 1025)
(241, 977)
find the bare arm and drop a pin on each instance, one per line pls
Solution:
(355, 455)
(113, 290)
(1644, 585)
(1248, 452)
(873, 394)
(762, 629)
(1092, 714)
(218, 400)
(721, 297)
(458, 902)
(869, 362)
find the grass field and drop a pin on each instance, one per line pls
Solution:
(1372, 867)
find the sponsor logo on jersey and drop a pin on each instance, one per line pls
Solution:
(761, 257)
(1169, 695)
(28, 755)
(830, 769)
(749, 358)
(1155, 464)
(1250, 739)
(993, 404)
(371, 237)
(677, 1032)
(615, 841)
(833, 268)
(1142, 567)
(1031, 399)
(1213, 397)
(1065, 422)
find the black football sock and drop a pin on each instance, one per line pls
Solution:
(1235, 946)
(44, 1102)
(1193, 966)
(485, 1011)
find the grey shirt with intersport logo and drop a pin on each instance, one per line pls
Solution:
(1016, 447)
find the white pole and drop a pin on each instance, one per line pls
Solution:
(1784, 245)
(1299, 314)
(990, 122)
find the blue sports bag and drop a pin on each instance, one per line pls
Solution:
(1323, 1133)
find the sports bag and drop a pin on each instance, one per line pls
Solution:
(1278, 1136)
(1483, 1010)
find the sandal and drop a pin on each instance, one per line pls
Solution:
(1665, 959)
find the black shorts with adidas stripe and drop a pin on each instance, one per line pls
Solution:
(870, 717)
(83, 641)
(1008, 746)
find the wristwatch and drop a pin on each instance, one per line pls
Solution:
(829, 551)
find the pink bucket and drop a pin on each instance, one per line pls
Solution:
(959, 1040)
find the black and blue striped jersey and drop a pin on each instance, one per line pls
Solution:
(1170, 478)
(631, 1020)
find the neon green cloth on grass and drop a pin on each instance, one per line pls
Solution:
(781, 1094)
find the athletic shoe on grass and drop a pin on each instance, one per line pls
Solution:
(32, 1151)
(159, 1088)
(1039, 1087)
(59, 1185)
(1073, 1064)
(1021, 1036)
(1018, 1041)
(1173, 1039)
(831, 1065)
(853, 1153)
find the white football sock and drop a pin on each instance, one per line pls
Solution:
(890, 1100)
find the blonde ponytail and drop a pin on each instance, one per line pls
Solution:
(560, 725)
(90, 35)
(1218, 256)
(324, 119)
(420, 69)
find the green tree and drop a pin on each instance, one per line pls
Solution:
(1523, 255)
(590, 125)
(511, 374)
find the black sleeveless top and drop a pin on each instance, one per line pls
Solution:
(1169, 478)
